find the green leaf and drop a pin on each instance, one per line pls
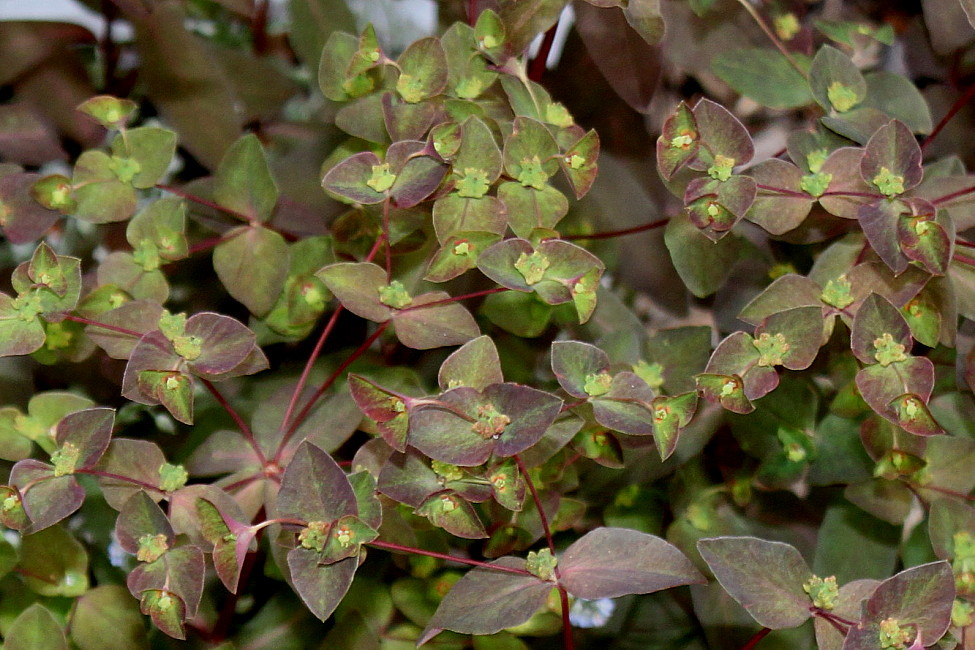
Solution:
(252, 264)
(576, 364)
(487, 601)
(454, 514)
(678, 143)
(453, 214)
(357, 286)
(879, 333)
(898, 98)
(764, 75)
(56, 563)
(110, 112)
(591, 569)
(350, 179)
(766, 578)
(530, 153)
(524, 20)
(529, 208)
(35, 629)
(837, 84)
(423, 70)
(101, 196)
(475, 364)
(703, 264)
(107, 612)
(243, 181)
(151, 148)
(18, 335)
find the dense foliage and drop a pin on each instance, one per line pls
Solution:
(314, 335)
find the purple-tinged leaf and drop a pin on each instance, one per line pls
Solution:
(231, 541)
(22, 218)
(722, 135)
(916, 602)
(138, 315)
(778, 212)
(787, 292)
(181, 571)
(913, 415)
(405, 121)
(766, 578)
(626, 406)
(505, 419)
(600, 445)
(315, 488)
(847, 606)
(577, 365)
(670, 415)
(879, 333)
(143, 529)
(725, 390)
(390, 410)
(442, 324)
(224, 343)
(801, 330)
(88, 432)
(153, 352)
(357, 286)
(593, 566)
(50, 498)
(715, 206)
(136, 459)
(448, 510)
(578, 163)
(35, 628)
(678, 142)
(879, 221)
(418, 176)
(847, 190)
(892, 160)
(487, 601)
(475, 364)
(321, 586)
(925, 241)
(530, 153)
(407, 478)
(166, 609)
(881, 385)
(350, 179)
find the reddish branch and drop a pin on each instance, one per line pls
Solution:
(957, 106)
(245, 430)
(619, 233)
(752, 642)
(389, 546)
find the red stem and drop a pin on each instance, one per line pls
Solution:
(619, 233)
(389, 247)
(964, 259)
(476, 294)
(536, 68)
(953, 195)
(183, 194)
(207, 244)
(957, 106)
(303, 379)
(563, 595)
(113, 328)
(120, 477)
(966, 243)
(390, 546)
(245, 430)
(471, 12)
(782, 190)
(752, 642)
(325, 386)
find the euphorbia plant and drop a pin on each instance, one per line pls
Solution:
(248, 399)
